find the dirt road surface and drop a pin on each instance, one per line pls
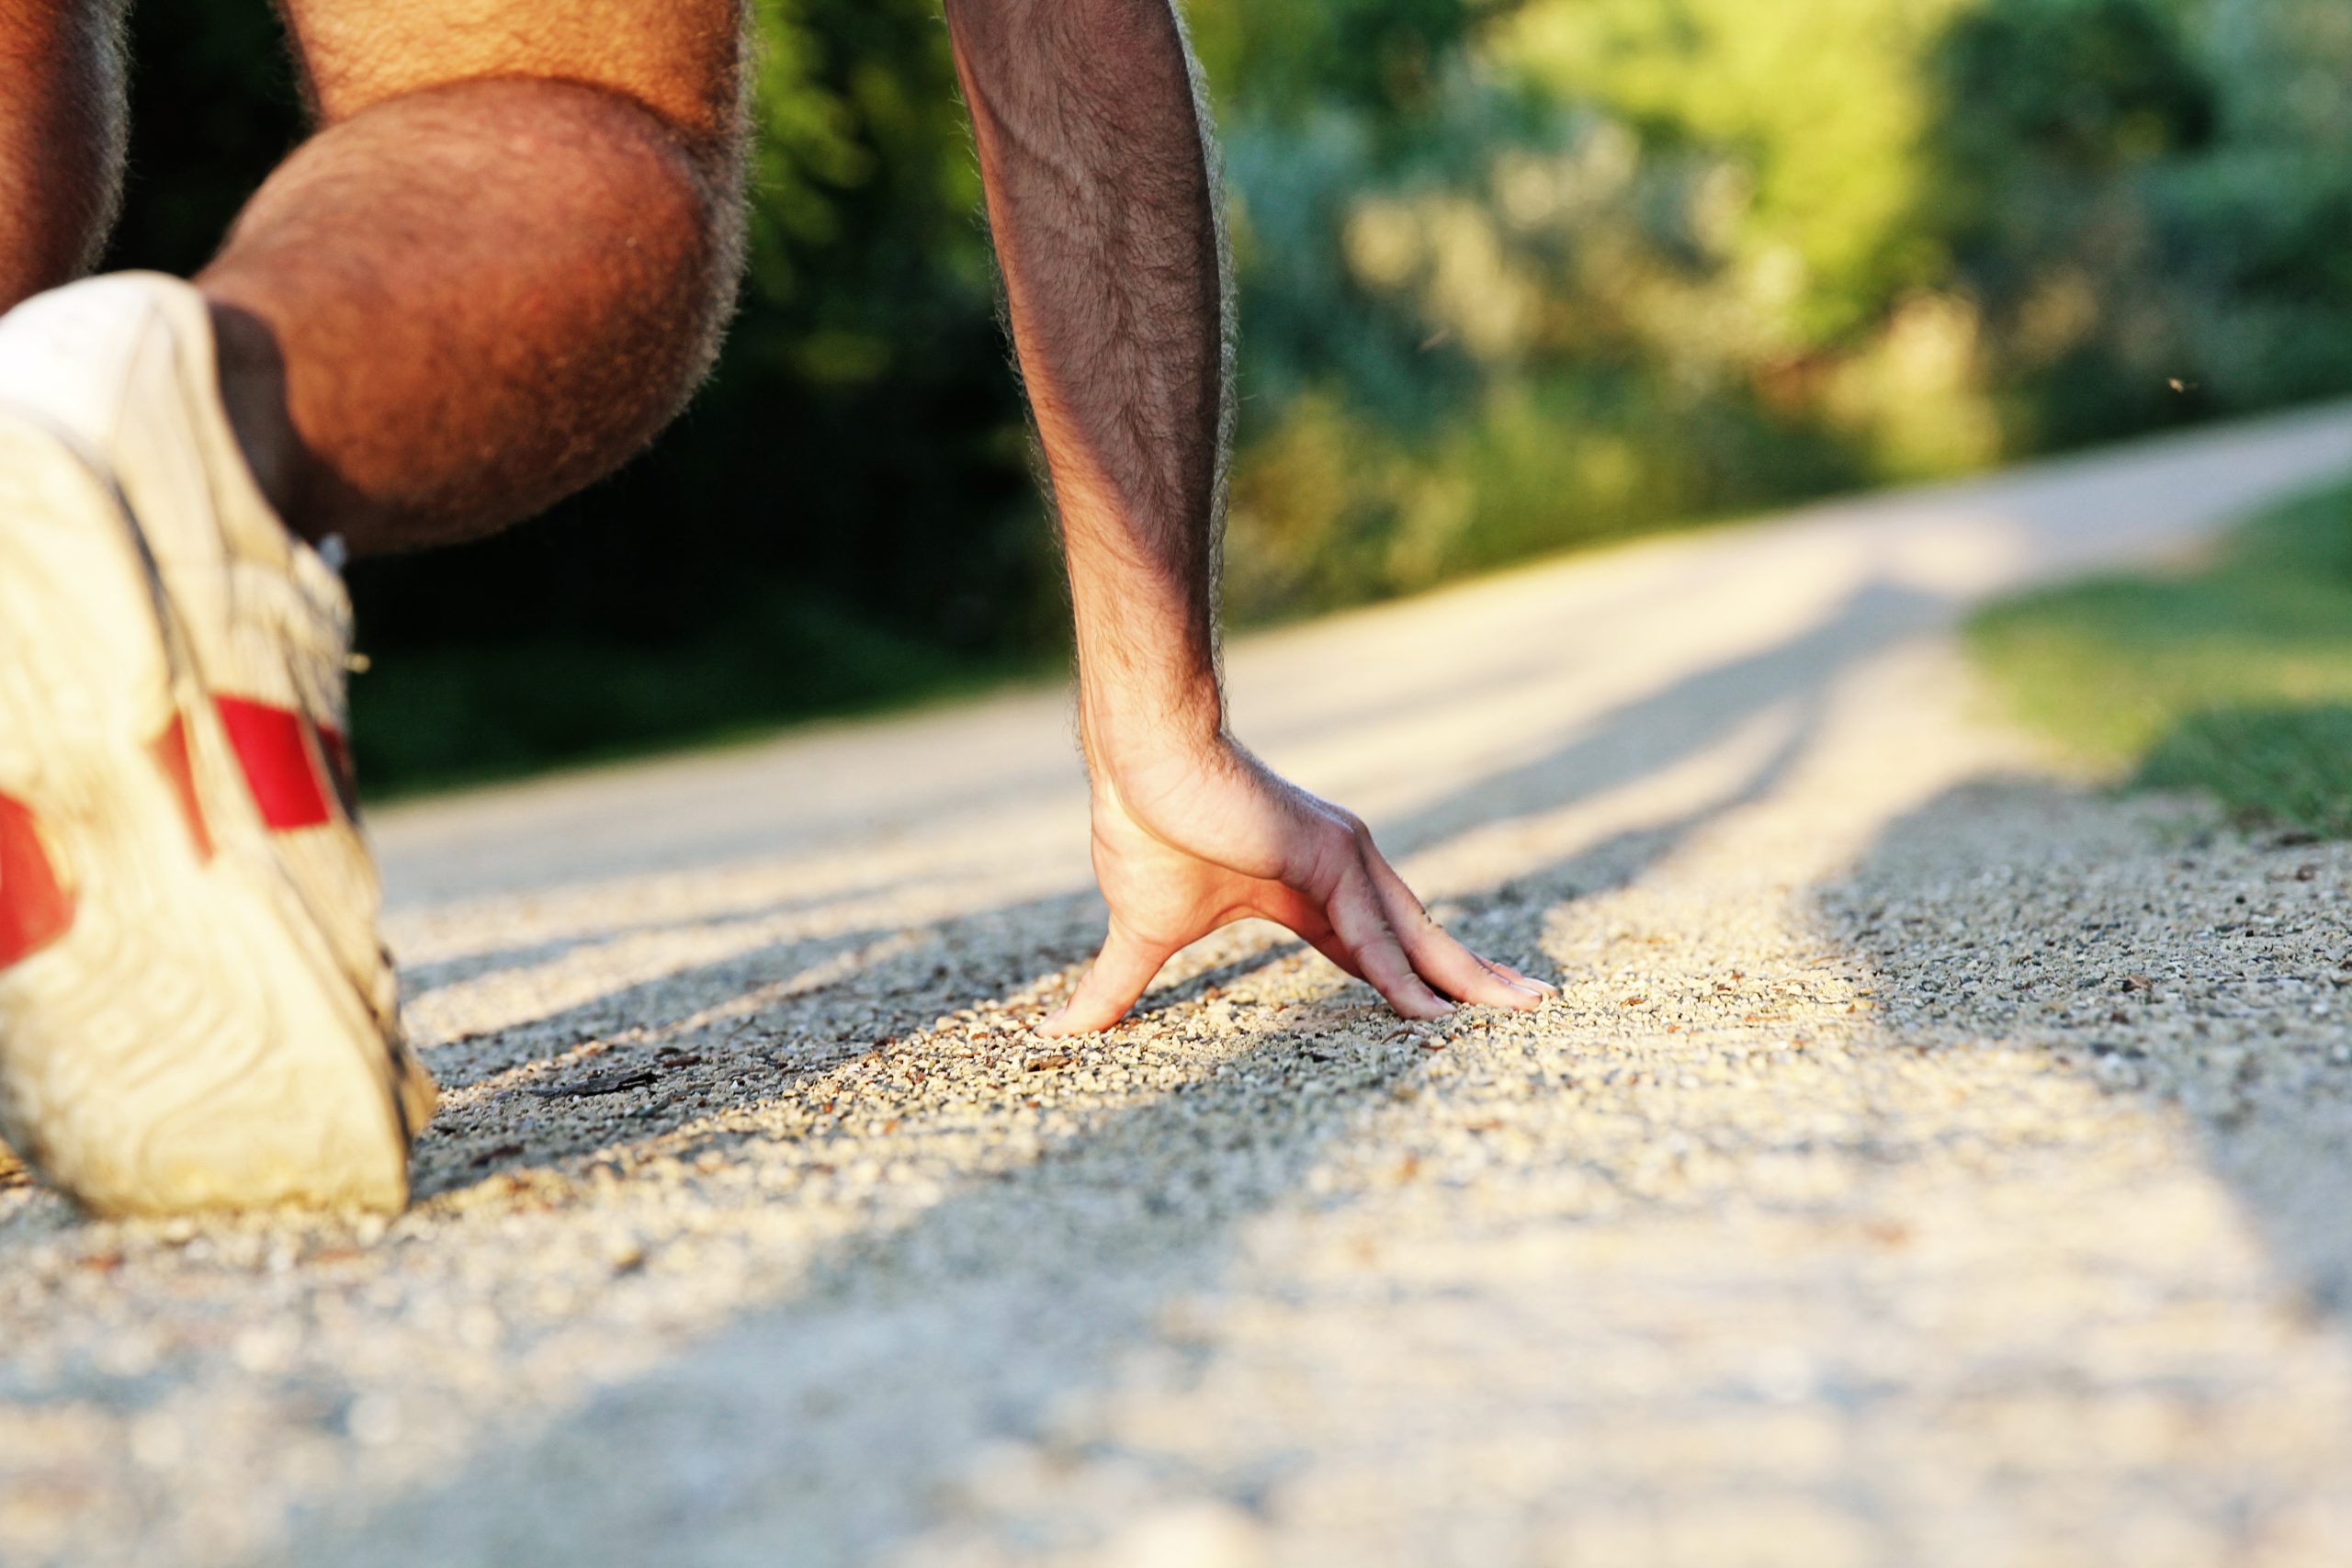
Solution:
(1930, 1160)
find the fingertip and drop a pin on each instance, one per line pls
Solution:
(1541, 987)
(1109, 990)
(1083, 1014)
(1415, 1002)
(1494, 988)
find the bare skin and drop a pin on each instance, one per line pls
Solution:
(492, 275)
(1102, 196)
(501, 262)
(62, 137)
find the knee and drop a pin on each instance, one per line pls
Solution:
(635, 212)
(656, 90)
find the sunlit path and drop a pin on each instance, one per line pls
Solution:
(1929, 1161)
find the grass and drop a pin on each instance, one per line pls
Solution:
(2234, 677)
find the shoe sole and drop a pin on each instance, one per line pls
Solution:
(188, 1041)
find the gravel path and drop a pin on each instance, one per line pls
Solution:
(1929, 1160)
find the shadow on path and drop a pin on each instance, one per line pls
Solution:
(915, 975)
(2150, 954)
(906, 1351)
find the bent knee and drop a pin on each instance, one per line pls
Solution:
(684, 60)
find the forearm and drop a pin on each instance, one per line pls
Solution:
(1101, 200)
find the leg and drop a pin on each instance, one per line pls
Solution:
(62, 124)
(495, 272)
(62, 134)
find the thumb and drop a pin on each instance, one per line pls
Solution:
(1120, 971)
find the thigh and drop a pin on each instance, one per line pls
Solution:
(683, 59)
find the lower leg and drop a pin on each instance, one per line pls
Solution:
(62, 122)
(461, 303)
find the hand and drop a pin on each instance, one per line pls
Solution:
(1194, 842)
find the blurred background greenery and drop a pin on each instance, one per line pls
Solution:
(1518, 276)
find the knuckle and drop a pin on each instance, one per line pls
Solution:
(1332, 862)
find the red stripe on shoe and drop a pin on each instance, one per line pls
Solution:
(36, 908)
(273, 746)
(170, 754)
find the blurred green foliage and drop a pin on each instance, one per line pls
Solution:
(2235, 678)
(1611, 264)
(1518, 275)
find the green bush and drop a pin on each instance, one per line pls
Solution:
(1516, 274)
(1637, 261)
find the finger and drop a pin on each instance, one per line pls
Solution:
(1119, 974)
(1362, 929)
(1330, 947)
(1286, 906)
(1545, 986)
(1460, 973)
(1437, 956)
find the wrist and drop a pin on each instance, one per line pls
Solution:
(1147, 687)
(1128, 726)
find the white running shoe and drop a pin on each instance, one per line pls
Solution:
(194, 1009)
